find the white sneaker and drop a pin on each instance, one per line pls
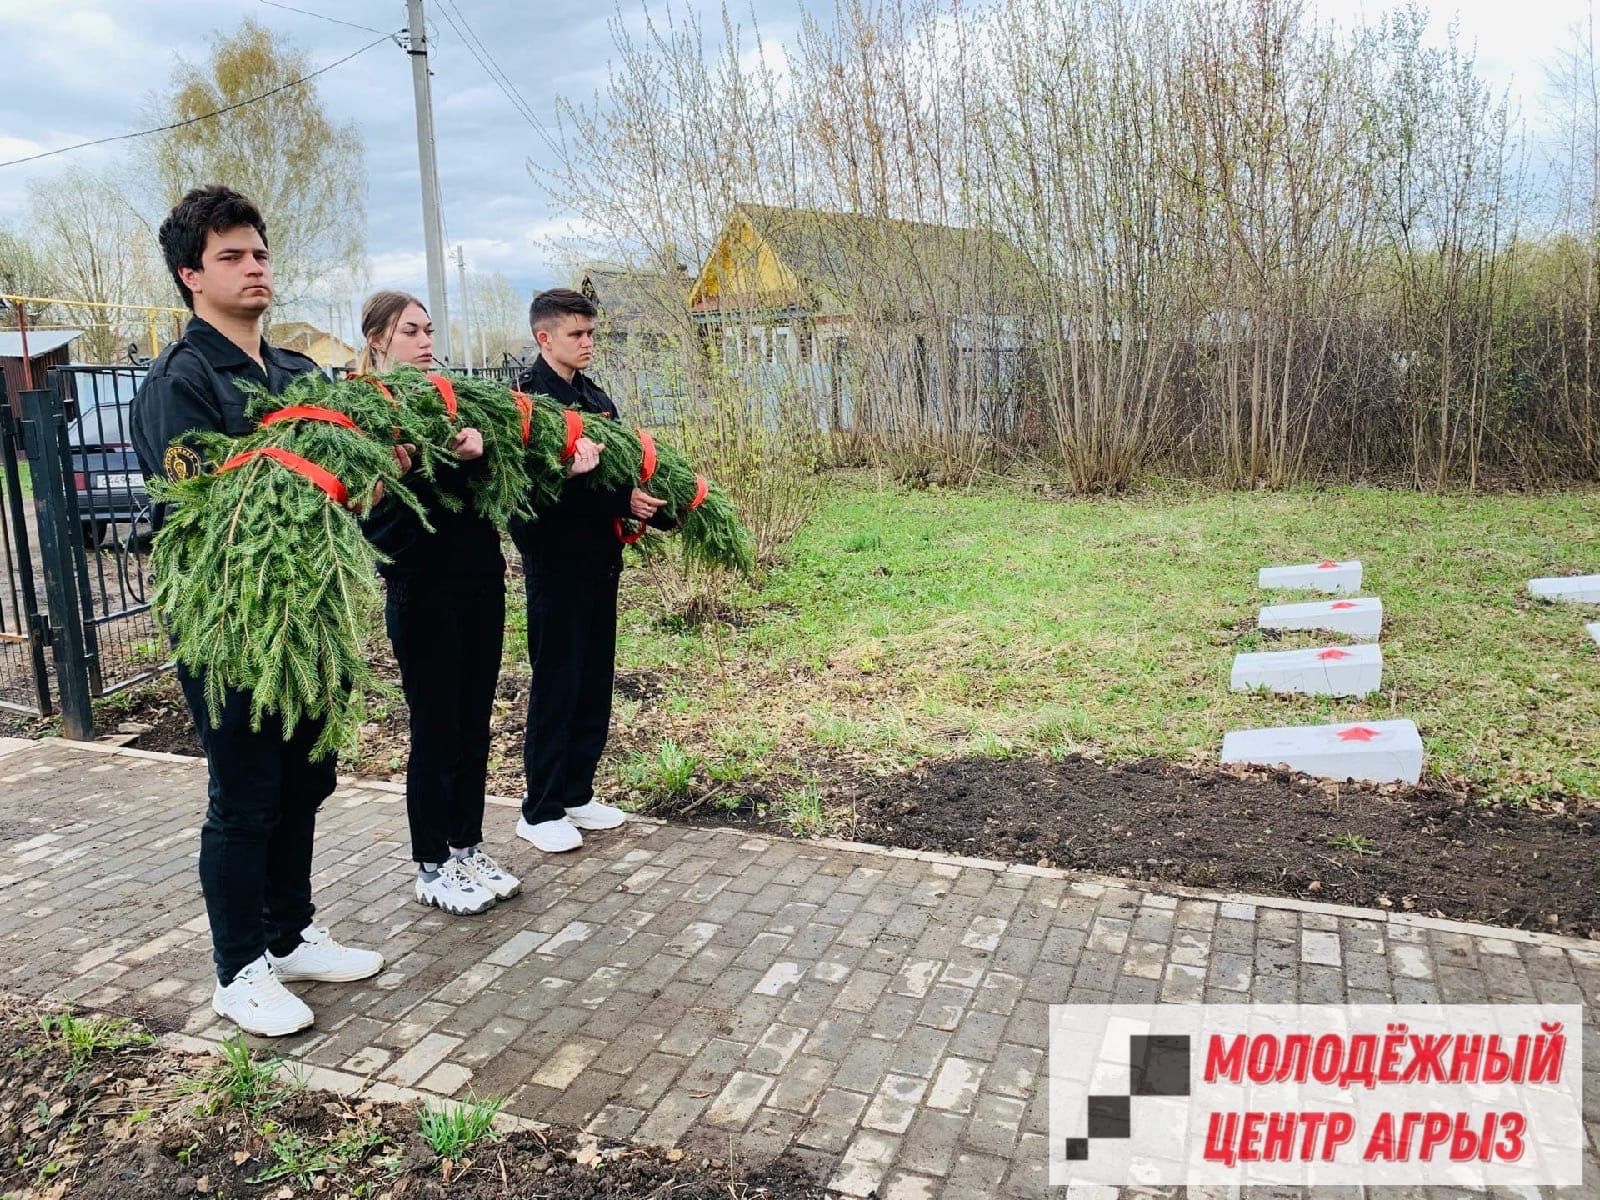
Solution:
(319, 957)
(257, 1002)
(595, 815)
(490, 874)
(551, 836)
(454, 889)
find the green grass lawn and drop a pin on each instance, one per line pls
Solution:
(910, 623)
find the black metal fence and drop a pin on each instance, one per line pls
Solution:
(77, 538)
(75, 616)
(24, 633)
(109, 511)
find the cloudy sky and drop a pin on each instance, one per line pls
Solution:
(82, 69)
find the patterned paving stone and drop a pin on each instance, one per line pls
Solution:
(880, 1013)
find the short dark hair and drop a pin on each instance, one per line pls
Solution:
(211, 209)
(557, 303)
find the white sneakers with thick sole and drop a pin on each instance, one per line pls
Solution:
(453, 889)
(550, 836)
(257, 1002)
(594, 815)
(490, 874)
(564, 833)
(318, 957)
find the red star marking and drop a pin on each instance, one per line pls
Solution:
(1333, 655)
(1343, 604)
(1327, 565)
(1358, 733)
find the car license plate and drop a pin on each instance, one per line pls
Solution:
(124, 481)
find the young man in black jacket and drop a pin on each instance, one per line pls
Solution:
(572, 561)
(256, 841)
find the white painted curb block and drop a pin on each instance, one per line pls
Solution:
(1594, 631)
(1573, 589)
(1328, 671)
(1328, 576)
(1372, 752)
(1360, 618)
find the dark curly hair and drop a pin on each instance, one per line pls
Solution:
(211, 209)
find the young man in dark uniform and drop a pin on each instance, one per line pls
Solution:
(255, 843)
(572, 561)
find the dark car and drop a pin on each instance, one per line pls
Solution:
(112, 502)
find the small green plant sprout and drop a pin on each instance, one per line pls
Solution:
(241, 1082)
(1356, 843)
(300, 1158)
(81, 1038)
(662, 776)
(802, 809)
(452, 1128)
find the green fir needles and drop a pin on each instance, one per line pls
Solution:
(263, 577)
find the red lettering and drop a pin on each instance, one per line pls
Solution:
(1225, 1060)
(1222, 1134)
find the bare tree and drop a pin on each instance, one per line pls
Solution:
(305, 172)
(99, 251)
(1570, 284)
(1221, 236)
(24, 272)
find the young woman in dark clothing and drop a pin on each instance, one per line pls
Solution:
(445, 616)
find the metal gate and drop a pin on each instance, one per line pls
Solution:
(92, 524)
(24, 678)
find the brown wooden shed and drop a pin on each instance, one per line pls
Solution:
(46, 348)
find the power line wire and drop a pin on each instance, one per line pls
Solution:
(123, 137)
(494, 62)
(496, 76)
(320, 16)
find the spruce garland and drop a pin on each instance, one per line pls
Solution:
(266, 583)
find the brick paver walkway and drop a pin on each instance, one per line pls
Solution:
(881, 1014)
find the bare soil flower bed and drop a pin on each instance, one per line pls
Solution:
(126, 1120)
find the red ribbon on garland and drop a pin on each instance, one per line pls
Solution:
(701, 488)
(308, 412)
(447, 393)
(647, 468)
(377, 383)
(322, 478)
(574, 421)
(524, 404)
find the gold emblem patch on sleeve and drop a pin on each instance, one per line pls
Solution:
(180, 462)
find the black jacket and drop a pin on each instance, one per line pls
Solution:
(193, 387)
(578, 532)
(462, 544)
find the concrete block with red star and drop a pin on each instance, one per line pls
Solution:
(1359, 618)
(1572, 589)
(1329, 575)
(1369, 752)
(1326, 671)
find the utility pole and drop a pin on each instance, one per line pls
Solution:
(438, 300)
(466, 309)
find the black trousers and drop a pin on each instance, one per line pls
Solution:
(447, 638)
(572, 651)
(255, 842)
